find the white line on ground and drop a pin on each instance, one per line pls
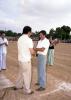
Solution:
(51, 92)
(61, 86)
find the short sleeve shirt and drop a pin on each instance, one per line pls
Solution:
(24, 43)
(43, 44)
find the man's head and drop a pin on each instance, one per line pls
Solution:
(3, 35)
(42, 34)
(27, 30)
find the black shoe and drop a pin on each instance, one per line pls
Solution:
(37, 84)
(15, 88)
(40, 89)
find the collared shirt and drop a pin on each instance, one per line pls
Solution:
(43, 44)
(24, 43)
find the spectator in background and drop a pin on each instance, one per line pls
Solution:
(3, 51)
(50, 55)
(42, 49)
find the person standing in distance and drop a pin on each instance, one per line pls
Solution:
(50, 55)
(3, 51)
(25, 49)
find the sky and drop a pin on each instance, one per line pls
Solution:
(39, 14)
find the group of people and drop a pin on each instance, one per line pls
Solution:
(25, 51)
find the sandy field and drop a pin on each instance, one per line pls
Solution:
(58, 75)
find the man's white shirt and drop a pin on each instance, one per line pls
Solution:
(43, 44)
(24, 43)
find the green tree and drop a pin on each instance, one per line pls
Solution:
(9, 33)
(58, 33)
(66, 31)
(2, 31)
(52, 32)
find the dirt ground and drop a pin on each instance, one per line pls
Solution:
(58, 75)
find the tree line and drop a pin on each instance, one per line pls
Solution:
(62, 33)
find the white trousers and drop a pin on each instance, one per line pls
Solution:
(50, 57)
(24, 77)
(2, 61)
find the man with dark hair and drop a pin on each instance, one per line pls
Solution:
(26, 29)
(42, 49)
(25, 49)
(43, 32)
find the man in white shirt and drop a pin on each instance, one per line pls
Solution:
(25, 49)
(42, 49)
(3, 51)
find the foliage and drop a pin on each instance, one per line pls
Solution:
(62, 33)
(10, 33)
